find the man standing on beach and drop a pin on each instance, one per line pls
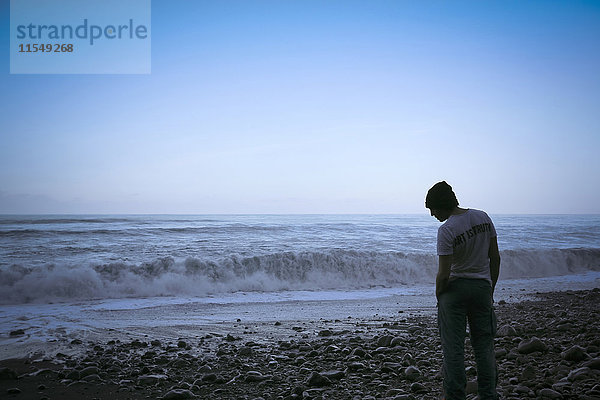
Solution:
(469, 264)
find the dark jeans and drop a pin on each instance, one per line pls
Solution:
(468, 299)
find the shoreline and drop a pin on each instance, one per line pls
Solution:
(383, 356)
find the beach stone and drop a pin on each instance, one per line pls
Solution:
(358, 352)
(7, 374)
(550, 394)
(92, 378)
(325, 333)
(333, 374)
(575, 353)
(13, 391)
(579, 374)
(532, 345)
(88, 371)
(355, 366)
(317, 380)
(417, 387)
(245, 351)
(17, 332)
(255, 376)
(594, 363)
(178, 394)
(210, 377)
(412, 373)
(182, 344)
(150, 379)
(385, 341)
(506, 330)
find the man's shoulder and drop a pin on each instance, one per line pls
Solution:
(479, 213)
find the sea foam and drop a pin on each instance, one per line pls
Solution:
(325, 270)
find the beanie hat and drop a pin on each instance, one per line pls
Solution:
(441, 197)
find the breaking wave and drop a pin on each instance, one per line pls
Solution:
(325, 270)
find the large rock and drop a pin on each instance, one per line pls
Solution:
(532, 345)
(575, 353)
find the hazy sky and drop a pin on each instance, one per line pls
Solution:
(318, 107)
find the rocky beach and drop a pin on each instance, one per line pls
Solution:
(548, 346)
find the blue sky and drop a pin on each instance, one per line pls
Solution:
(318, 107)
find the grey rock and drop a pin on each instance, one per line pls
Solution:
(532, 345)
(255, 376)
(178, 394)
(550, 394)
(417, 387)
(384, 341)
(333, 374)
(150, 379)
(13, 391)
(317, 380)
(412, 373)
(594, 363)
(506, 330)
(574, 353)
(88, 371)
(579, 374)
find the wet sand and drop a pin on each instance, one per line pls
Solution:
(547, 347)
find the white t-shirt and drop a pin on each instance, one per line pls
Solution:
(467, 237)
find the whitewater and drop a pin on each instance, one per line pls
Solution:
(49, 259)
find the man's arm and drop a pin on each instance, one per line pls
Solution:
(494, 256)
(441, 280)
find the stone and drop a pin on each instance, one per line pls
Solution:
(325, 333)
(532, 345)
(255, 376)
(17, 332)
(13, 391)
(182, 344)
(579, 374)
(417, 387)
(384, 341)
(88, 371)
(412, 373)
(506, 330)
(317, 380)
(574, 353)
(333, 374)
(594, 363)
(178, 394)
(550, 394)
(150, 379)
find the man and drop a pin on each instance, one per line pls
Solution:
(469, 264)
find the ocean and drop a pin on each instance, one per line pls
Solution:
(64, 273)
